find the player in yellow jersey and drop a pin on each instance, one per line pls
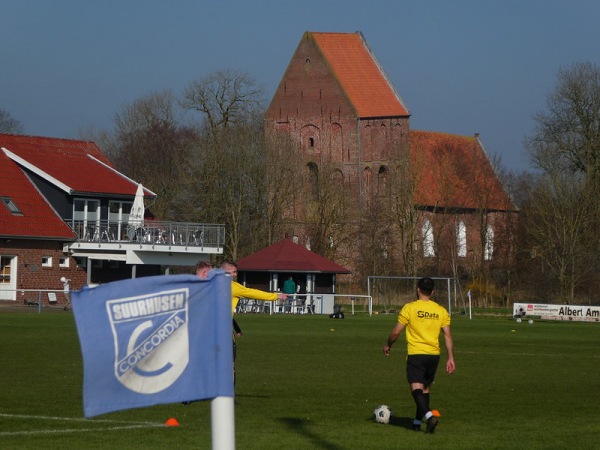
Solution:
(423, 320)
(240, 291)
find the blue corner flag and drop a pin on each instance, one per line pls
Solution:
(154, 340)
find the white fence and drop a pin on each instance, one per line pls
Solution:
(304, 304)
(38, 298)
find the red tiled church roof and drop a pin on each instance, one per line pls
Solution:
(454, 171)
(287, 256)
(359, 74)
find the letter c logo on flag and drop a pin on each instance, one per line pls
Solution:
(151, 340)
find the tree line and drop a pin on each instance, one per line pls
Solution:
(206, 155)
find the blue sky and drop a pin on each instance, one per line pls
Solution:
(461, 66)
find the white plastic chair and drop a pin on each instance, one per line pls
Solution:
(241, 306)
(279, 305)
(309, 307)
(250, 305)
(297, 306)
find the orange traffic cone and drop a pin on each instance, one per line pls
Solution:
(172, 422)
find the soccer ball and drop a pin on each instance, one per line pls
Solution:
(518, 320)
(383, 414)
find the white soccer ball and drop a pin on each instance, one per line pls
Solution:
(518, 320)
(383, 414)
(530, 321)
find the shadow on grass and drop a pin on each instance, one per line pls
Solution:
(252, 396)
(402, 422)
(299, 426)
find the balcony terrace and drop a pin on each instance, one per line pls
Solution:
(183, 242)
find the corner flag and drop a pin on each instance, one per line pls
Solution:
(154, 340)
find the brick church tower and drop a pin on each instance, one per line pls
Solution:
(336, 102)
(348, 124)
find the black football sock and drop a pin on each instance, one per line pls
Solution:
(421, 403)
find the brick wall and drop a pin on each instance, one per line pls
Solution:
(32, 274)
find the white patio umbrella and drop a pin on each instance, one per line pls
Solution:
(136, 216)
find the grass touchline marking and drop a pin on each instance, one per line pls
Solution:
(555, 355)
(80, 430)
(77, 419)
(132, 425)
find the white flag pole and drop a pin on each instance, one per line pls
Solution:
(222, 418)
(469, 295)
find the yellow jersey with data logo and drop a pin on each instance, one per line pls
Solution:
(423, 320)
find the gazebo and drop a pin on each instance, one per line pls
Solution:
(314, 275)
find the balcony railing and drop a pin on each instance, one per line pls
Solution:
(184, 234)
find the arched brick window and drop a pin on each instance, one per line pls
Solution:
(382, 181)
(488, 249)
(461, 239)
(337, 143)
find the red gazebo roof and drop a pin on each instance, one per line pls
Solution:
(287, 256)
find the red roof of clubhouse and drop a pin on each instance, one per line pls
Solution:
(287, 256)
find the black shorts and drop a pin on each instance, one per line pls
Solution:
(421, 368)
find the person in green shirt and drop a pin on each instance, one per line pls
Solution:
(289, 287)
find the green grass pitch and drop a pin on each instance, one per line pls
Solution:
(311, 382)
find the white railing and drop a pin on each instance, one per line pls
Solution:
(185, 234)
(38, 298)
(303, 304)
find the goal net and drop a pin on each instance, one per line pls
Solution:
(390, 294)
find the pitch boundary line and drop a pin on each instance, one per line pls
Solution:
(74, 430)
(126, 425)
(555, 355)
(72, 419)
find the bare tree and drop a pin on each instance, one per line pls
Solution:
(230, 170)
(559, 221)
(405, 216)
(225, 98)
(9, 124)
(568, 132)
(228, 186)
(219, 172)
(283, 184)
(326, 208)
(151, 145)
(566, 148)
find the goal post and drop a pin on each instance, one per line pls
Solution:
(394, 292)
(353, 299)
